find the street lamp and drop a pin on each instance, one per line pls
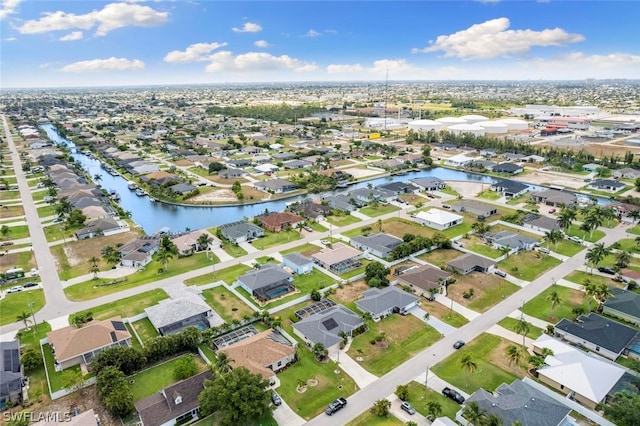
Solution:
(35, 324)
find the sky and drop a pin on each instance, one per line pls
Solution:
(134, 42)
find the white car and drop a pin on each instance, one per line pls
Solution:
(325, 242)
(15, 289)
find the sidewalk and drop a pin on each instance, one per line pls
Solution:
(402, 415)
(464, 311)
(497, 330)
(517, 314)
(350, 366)
(441, 326)
(437, 384)
(119, 272)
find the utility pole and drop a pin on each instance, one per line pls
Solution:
(426, 380)
(35, 324)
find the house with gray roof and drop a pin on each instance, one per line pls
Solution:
(11, 374)
(598, 334)
(608, 185)
(276, 186)
(182, 188)
(397, 187)
(477, 208)
(232, 173)
(173, 315)
(522, 403)
(342, 202)
(311, 210)
(627, 173)
(389, 300)
(514, 241)
(297, 164)
(508, 168)
(325, 327)
(541, 223)
(555, 198)
(379, 245)
(424, 280)
(510, 188)
(298, 263)
(102, 227)
(241, 231)
(267, 282)
(139, 252)
(624, 305)
(471, 262)
(429, 183)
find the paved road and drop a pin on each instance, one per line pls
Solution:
(385, 385)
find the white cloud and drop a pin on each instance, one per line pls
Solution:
(342, 69)
(312, 33)
(76, 35)
(110, 64)
(248, 27)
(10, 39)
(195, 53)
(261, 43)
(492, 39)
(256, 61)
(8, 7)
(110, 17)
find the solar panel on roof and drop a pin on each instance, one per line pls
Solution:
(330, 324)
(113, 336)
(118, 325)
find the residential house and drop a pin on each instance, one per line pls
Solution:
(369, 195)
(175, 404)
(267, 282)
(104, 226)
(241, 231)
(397, 188)
(514, 241)
(237, 164)
(459, 160)
(534, 159)
(480, 164)
(139, 252)
(541, 223)
(283, 156)
(624, 305)
(513, 157)
(74, 346)
(232, 173)
(510, 188)
(429, 183)
(389, 300)
(438, 219)
(477, 208)
(266, 168)
(521, 403)
(327, 326)
(310, 210)
(160, 178)
(425, 280)
(555, 198)
(508, 168)
(342, 202)
(297, 164)
(591, 167)
(626, 173)
(182, 188)
(275, 186)
(339, 258)
(187, 243)
(608, 185)
(94, 213)
(379, 245)
(11, 374)
(584, 378)
(470, 262)
(171, 316)
(265, 353)
(598, 334)
(298, 263)
(277, 222)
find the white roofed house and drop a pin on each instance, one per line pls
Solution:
(298, 263)
(438, 219)
(338, 258)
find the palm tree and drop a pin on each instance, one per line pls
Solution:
(555, 299)
(586, 228)
(203, 241)
(596, 253)
(474, 414)
(24, 317)
(608, 214)
(637, 240)
(379, 225)
(97, 178)
(468, 365)
(94, 266)
(493, 420)
(566, 217)
(554, 236)
(590, 290)
(513, 355)
(64, 207)
(522, 327)
(623, 258)
(602, 293)
(434, 409)
(594, 219)
(163, 256)
(223, 363)
(635, 215)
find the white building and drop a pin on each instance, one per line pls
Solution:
(438, 219)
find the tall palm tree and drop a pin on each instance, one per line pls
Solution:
(522, 327)
(223, 363)
(590, 290)
(514, 354)
(25, 318)
(469, 366)
(93, 261)
(596, 253)
(637, 240)
(553, 237)
(474, 414)
(594, 219)
(586, 227)
(602, 293)
(64, 207)
(623, 258)
(493, 420)
(163, 256)
(566, 217)
(203, 241)
(608, 214)
(555, 299)
(434, 409)
(97, 178)
(635, 215)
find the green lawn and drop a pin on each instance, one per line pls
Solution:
(305, 250)
(55, 377)
(12, 211)
(272, 239)
(228, 275)
(233, 250)
(575, 231)
(16, 232)
(128, 306)
(566, 247)
(30, 339)
(357, 271)
(315, 399)
(635, 230)
(489, 195)
(145, 329)
(226, 304)
(579, 277)
(488, 299)
(158, 377)
(540, 307)
(15, 304)
(406, 336)
(45, 211)
(528, 265)
(9, 195)
(418, 400)
(628, 244)
(481, 248)
(450, 191)
(316, 226)
(454, 231)
(57, 232)
(378, 210)
(87, 289)
(342, 220)
(512, 325)
(369, 419)
(487, 375)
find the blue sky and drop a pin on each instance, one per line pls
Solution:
(95, 43)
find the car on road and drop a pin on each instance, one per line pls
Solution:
(407, 407)
(275, 398)
(325, 242)
(453, 394)
(307, 228)
(336, 405)
(458, 344)
(606, 270)
(574, 239)
(30, 284)
(15, 289)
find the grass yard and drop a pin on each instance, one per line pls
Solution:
(9, 195)
(406, 336)
(566, 248)
(314, 399)
(476, 245)
(398, 227)
(488, 352)
(418, 400)
(47, 210)
(307, 250)
(488, 290)
(579, 277)
(30, 339)
(20, 259)
(540, 307)
(232, 249)
(440, 257)
(443, 313)
(15, 232)
(369, 419)
(226, 304)
(129, 306)
(457, 230)
(634, 230)
(489, 195)
(511, 324)
(414, 200)
(228, 275)
(449, 191)
(357, 271)
(315, 226)
(158, 377)
(275, 239)
(575, 231)
(378, 210)
(57, 232)
(342, 220)
(16, 303)
(528, 265)
(12, 211)
(146, 331)
(55, 377)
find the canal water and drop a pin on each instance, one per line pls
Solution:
(154, 216)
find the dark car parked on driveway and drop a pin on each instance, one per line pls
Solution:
(453, 394)
(606, 270)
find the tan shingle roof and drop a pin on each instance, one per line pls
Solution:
(258, 351)
(70, 341)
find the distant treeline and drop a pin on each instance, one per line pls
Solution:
(280, 113)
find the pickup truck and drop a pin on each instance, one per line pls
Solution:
(336, 405)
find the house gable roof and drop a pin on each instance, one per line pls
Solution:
(600, 331)
(425, 277)
(469, 261)
(297, 259)
(624, 301)
(276, 220)
(380, 242)
(377, 301)
(511, 186)
(172, 311)
(10, 370)
(326, 326)
(266, 276)
(259, 351)
(437, 216)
